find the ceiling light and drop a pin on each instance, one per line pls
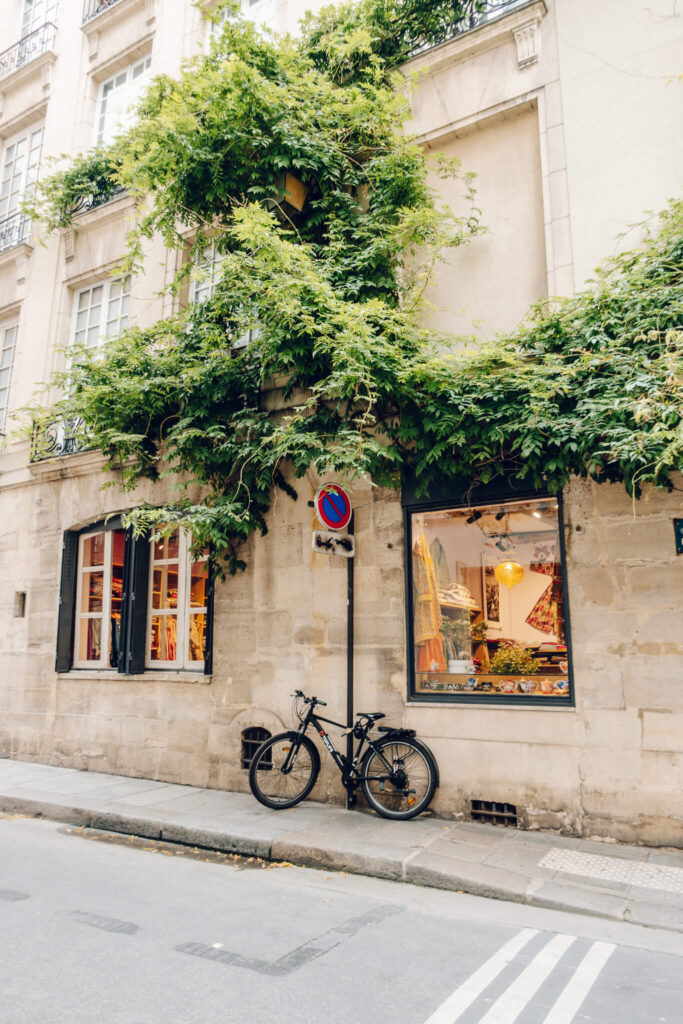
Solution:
(474, 515)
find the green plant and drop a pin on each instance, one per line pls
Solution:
(514, 659)
(591, 386)
(478, 632)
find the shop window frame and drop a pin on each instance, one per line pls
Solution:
(468, 497)
(134, 608)
(182, 611)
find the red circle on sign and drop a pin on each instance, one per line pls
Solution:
(333, 507)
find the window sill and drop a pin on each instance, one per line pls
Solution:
(86, 675)
(468, 705)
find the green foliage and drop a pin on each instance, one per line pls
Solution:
(341, 376)
(514, 659)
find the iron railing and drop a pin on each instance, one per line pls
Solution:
(27, 49)
(476, 13)
(91, 8)
(62, 437)
(86, 203)
(14, 230)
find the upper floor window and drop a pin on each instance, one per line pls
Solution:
(8, 339)
(488, 602)
(20, 165)
(101, 311)
(261, 12)
(36, 13)
(117, 96)
(205, 278)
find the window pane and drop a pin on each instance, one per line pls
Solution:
(199, 574)
(167, 547)
(165, 587)
(117, 549)
(164, 638)
(91, 591)
(90, 640)
(93, 550)
(487, 601)
(197, 636)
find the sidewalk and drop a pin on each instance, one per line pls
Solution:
(624, 883)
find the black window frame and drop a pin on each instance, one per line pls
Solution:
(465, 495)
(133, 605)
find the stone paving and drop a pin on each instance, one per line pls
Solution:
(642, 885)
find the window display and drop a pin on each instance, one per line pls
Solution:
(178, 594)
(488, 603)
(98, 600)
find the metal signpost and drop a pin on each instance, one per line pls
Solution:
(333, 508)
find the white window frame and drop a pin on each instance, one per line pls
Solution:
(8, 346)
(127, 86)
(205, 277)
(183, 610)
(105, 614)
(261, 12)
(37, 13)
(108, 326)
(16, 185)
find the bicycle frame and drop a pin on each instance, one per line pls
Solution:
(348, 769)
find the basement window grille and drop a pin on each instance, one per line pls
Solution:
(494, 813)
(252, 739)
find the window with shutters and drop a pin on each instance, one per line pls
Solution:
(130, 604)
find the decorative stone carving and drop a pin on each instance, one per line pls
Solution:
(22, 267)
(528, 40)
(94, 44)
(69, 244)
(46, 73)
(150, 10)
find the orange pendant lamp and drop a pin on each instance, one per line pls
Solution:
(509, 573)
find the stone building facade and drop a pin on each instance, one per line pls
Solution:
(564, 110)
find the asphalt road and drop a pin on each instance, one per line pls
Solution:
(101, 928)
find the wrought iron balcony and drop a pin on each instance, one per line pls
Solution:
(91, 8)
(90, 202)
(477, 12)
(27, 49)
(62, 437)
(14, 230)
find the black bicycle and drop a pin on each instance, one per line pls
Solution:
(397, 773)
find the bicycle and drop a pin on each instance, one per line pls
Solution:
(397, 774)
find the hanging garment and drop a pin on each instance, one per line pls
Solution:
(443, 576)
(426, 611)
(541, 615)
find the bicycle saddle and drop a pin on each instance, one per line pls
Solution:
(373, 717)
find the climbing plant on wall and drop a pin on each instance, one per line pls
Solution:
(290, 159)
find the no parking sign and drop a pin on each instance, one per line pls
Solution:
(333, 507)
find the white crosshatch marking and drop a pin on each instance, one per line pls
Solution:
(615, 869)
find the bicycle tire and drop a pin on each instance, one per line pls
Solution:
(271, 786)
(399, 799)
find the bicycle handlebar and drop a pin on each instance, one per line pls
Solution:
(309, 700)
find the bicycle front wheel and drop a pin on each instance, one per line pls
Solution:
(398, 778)
(279, 780)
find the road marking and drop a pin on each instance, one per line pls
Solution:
(508, 1007)
(580, 984)
(458, 1002)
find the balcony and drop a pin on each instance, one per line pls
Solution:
(480, 12)
(91, 8)
(14, 230)
(27, 49)
(62, 437)
(91, 202)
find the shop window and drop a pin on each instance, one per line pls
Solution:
(178, 597)
(131, 604)
(101, 311)
(488, 604)
(117, 98)
(252, 739)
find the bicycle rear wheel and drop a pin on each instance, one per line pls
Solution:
(276, 786)
(398, 778)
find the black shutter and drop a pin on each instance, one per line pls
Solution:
(136, 631)
(208, 641)
(125, 602)
(67, 601)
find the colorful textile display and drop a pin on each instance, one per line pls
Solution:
(426, 611)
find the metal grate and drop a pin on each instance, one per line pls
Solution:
(252, 739)
(494, 813)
